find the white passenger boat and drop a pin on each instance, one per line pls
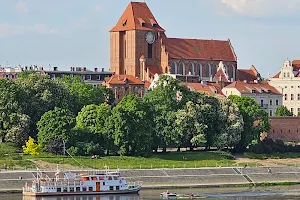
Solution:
(108, 182)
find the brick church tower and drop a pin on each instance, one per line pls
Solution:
(135, 45)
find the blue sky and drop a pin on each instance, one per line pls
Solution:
(67, 32)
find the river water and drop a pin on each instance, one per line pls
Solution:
(267, 193)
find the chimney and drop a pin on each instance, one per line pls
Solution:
(102, 69)
(96, 69)
(41, 68)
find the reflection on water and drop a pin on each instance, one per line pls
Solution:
(88, 197)
(268, 193)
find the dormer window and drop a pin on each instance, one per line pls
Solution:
(253, 91)
(284, 75)
(153, 23)
(124, 24)
(262, 91)
(142, 22)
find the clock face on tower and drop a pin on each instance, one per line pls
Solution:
(150, 37)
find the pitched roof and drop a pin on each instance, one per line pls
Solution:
(137, 16)
(208, 88)
(178, 48)
(147, 84)
(247, 74)
(123, 79)
(154, 70)
(296, 64)
(221, 74)
(258, 88)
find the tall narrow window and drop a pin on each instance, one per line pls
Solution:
(191, 68)
(125, 48)
(173, 68)
(214, 70)
(207, 70)
(292, 97)
(199, 70)
(150, 50)
(181, 69)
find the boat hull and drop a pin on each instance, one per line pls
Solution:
(133, 191)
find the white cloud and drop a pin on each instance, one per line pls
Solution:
(19, 29)
(258, 8)
(21, 7)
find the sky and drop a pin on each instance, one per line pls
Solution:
(66, 33)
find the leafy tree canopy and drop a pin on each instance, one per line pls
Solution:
(283, 111)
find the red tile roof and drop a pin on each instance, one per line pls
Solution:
(259, 88)
(208, 88)
(154, 70)
(147, 84)
(247, 74)
(199, 49)
(134, 15)
(296, 64)
(122, 79)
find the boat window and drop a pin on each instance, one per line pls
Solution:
(117, 187)
(103, 183)
(77, 189)
(86, 178)
(58, 189)
(84, 189)
(65, 189)
(94, 178)
(71, 189)
(115, 178)
(111, 187)
(101, 178)
(109, 178)
(90, 188)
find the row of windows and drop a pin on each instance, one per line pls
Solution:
(10, 76)
(292, 97)
(271, 102)
(84, 77)
(84, 189)
(292, 86)
(286, 75)
(210, 70)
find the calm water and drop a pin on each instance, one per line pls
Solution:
(270, 193)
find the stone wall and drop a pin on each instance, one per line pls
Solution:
(286, 129)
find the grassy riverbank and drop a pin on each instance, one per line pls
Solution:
(168, 160)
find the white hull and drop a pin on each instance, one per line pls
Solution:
(133, 191)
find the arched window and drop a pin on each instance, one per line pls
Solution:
(230, 71)
(181, 69)
(233, 71)
(207, 74)
(198, 71)
(191, 69)
(214, 70)
(173, 67)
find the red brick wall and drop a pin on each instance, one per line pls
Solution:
(286, 129)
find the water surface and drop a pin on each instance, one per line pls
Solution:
(268, 193)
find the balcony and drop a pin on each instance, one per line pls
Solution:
(264, 106)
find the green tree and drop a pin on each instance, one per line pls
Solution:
(165, 99)
(19, 130)
(92, 119)
(54, 129)
(31, 148)
(10, 110)
(83, 93)
(251, 113)
(129, 127)
(283, 111)
(39, 94)
(190, 124)
(231, 125)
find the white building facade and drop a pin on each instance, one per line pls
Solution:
(264, 94)
(287, 81)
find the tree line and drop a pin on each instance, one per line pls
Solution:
(68, 112)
